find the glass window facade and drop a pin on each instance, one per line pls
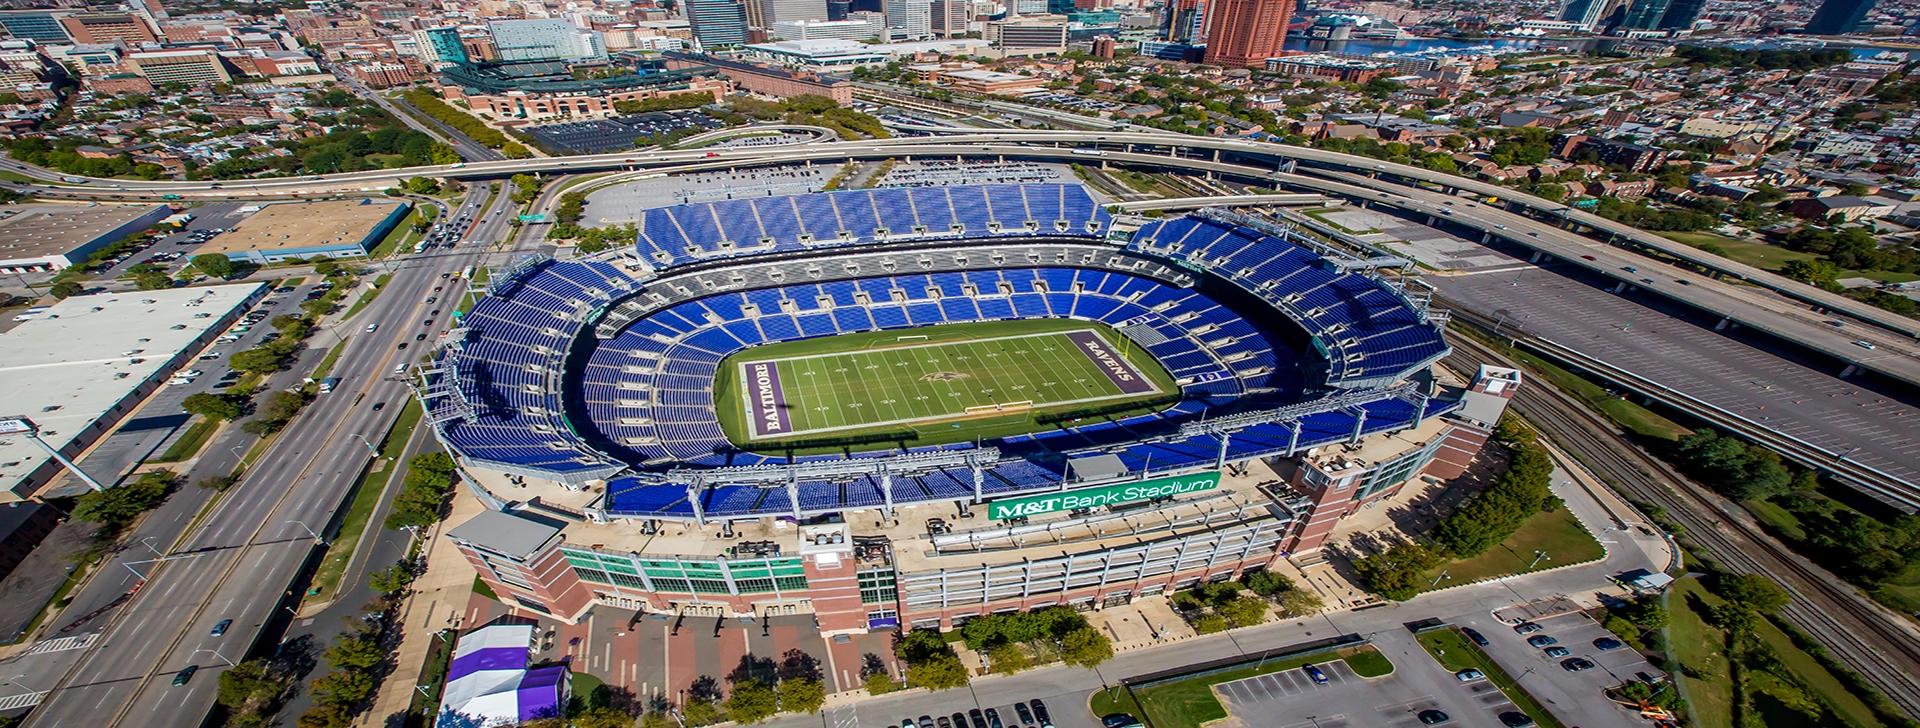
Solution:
(671, 574)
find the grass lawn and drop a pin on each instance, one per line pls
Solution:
(400, 236)
(1696, 644)
(190, 442)
(326, 364)
(294, 281)
(1771, 257)
(366, 298)
(326, 579)
(1191, 703)
(1901, 592)
(1452, 650)
(12, 176)
(947, 385)
(1558, 533)
(1775, 518)
(481, 588)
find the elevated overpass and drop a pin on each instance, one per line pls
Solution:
(1895, 352)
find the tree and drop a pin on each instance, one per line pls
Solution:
(751, 702)
(1209, 624)
(700, 712)
(211, 406)
(939, 672)
(1244, 611)
(214, 264)
(114, 508)
(256, 361)
(1007, 658)
(1395, 574)
(65, 289)
(326, 268)
(1739, 470)
(284, 321)
(1266, 583)
(1816, 272)
(601, 717)
(1085, 647)
(1300, 603)
(252, 681)
(802, 695)
(423, 185)
(1754, 591)
(391, 580)
(1516, 495)
(880, 683)
(153, 281)
(1550, 191)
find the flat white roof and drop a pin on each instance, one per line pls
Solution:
(67, 368)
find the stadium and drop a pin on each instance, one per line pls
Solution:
(760, 371)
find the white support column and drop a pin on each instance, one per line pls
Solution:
(699, 513)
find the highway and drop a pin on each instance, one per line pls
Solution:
(240, 561)
(1897, 356)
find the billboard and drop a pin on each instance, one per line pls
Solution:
(1106, 495)
(15, 426)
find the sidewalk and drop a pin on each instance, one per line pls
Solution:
(439, 596)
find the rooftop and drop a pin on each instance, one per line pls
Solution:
(299, 225)
(514, 534)
(69, 367)
(47, 229)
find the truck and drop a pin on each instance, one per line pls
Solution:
(169, 197)
(327, 385)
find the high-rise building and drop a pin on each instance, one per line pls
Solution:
(858, 28)
(1590, 14)
(791, 11)
(950, 16)
(1645, 14)
(1245, 33)
(909, 19)
(1839, 17)
(1031, 7)
(39, 26)
(1682, 14)
(1186, 21)
(718, 23)
(838, 9)
(440, 46)
(545, 39)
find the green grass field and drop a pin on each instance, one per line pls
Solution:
(943, 383)
(1191, 703)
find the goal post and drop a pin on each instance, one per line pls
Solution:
(1020, 406)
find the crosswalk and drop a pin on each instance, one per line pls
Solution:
(23, 700)
(78, 642)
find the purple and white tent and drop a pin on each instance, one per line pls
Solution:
(488, 683)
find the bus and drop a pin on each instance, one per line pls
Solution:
(327, 385)
(467, 274)
(420, 247)
(1090, 152)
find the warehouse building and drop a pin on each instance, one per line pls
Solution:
(54, 236)
(333, 229)
(88, 362)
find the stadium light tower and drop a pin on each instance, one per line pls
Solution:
(24, 426)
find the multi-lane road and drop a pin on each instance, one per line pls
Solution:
(241, 559)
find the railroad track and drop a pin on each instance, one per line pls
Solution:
(1869, 639)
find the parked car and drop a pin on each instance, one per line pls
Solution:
(1558, 652)
(1040, 712)
(1542, 641)
(1515, 719)
(1469, 675)
(1605, 644)
(1526, 628)
(1432, 717)
(1474, 634)
(1026, 716)
(1576, 664)
(1119, 720)
(1319, 678)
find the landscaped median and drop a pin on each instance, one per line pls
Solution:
(373, 483)
(1184, 698)
(1451, 649)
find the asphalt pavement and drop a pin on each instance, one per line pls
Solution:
(238, 562)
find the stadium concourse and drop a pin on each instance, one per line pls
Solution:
(1263, 385)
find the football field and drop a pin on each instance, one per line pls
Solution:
(904, 378)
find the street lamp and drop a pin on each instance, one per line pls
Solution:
(310, 532)
(15, 680)
(216, 653)
(1537, 556)
(363, 439)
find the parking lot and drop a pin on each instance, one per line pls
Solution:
(617, 133)
(1417, 685)
(174, 249)
(1566, 693)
